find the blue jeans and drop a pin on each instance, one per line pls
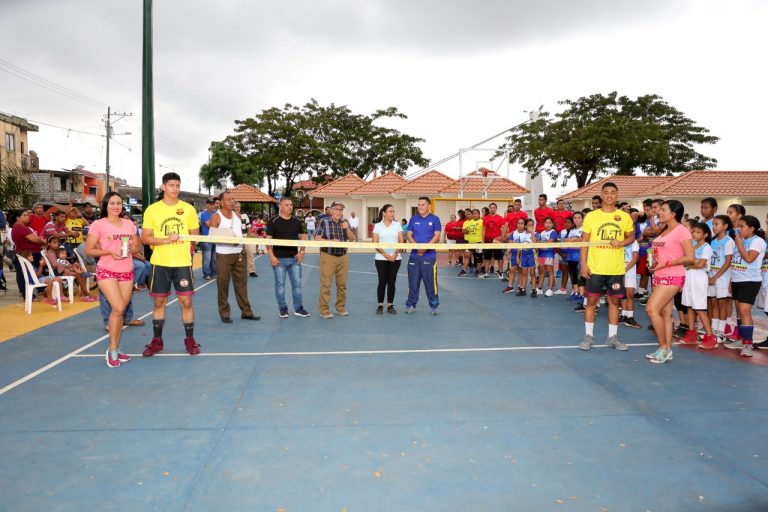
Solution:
(209, 258)
(310, 234)
(293, 268)
(140, 271)
(106, 309)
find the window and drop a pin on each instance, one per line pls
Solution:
(21, 146)
(373, 214)
(62, 183)
(92, 190)
(10, 142)
(414, 211)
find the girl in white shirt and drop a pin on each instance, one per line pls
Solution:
(387, 261)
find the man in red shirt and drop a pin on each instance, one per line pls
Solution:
(517, 213)
(492, 230)
(542, 212)
(454, 235)
(38, 219)
(560, 214)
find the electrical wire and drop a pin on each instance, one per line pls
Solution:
(68, 129)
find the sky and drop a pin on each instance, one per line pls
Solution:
(461, 71)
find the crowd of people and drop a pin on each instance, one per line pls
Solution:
(703, 268)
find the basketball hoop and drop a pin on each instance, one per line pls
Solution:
(485, 173)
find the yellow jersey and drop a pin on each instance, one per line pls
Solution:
(605, 227)
(77, 225)
(475, 231)
(165, 220)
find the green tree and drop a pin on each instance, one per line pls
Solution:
(15, 187)
(602, 135)
(280, 145)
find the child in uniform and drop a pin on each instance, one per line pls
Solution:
(696, 287)
(719, 292)
(547, 256)
(631, 256)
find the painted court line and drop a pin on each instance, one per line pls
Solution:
(74, 353)
(374, 352)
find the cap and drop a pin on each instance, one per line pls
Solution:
(210, 200)
(337, 203)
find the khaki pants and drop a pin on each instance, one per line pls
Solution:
(330, 267)
(250, 252)
(232, 266)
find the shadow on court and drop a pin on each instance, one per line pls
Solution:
(489, 406)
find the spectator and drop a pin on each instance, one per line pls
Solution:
(38, 219)
(310, 220)
(26, 241)
(334, 261)
(354, 223)
(207, 248)
(387, 260)
(286, 259)
(424, 227)
(58, 228)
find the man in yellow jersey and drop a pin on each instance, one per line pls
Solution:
(603, 266)
(473, 234)
(171, 262)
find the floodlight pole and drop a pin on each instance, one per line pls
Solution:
(147, 114)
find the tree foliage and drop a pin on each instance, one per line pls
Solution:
(281, 145)
(15, 187)
(604, 135)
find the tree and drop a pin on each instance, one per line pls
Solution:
(15, 187)
(280, 145)
(600, 135)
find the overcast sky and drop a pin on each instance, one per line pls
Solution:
(461, 71)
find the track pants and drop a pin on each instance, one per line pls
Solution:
(422, 268)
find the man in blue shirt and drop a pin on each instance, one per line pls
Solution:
(423, 228)
(208, 249)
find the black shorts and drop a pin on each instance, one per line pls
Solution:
(611, 285)
(496, 254)
(161, 278)
(745, 291)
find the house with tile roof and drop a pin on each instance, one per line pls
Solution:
(748, 188)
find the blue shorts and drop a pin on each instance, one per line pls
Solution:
(527, 259)
(513, 257)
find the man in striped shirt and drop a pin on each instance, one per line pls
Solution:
(334, 261)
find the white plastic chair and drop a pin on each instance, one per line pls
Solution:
(82, 266)
(30, 276)
(69, 279)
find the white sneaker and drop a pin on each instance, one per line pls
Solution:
(746, 350)
(561, 291)
(548, 293)
(538, 291)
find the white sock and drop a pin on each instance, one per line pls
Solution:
(613, 330)
(589, 327)
(629, 314)
(585, 301)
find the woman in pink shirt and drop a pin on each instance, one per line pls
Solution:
(672, 251)
(113, 239)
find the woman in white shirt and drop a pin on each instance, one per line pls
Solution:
(387, 260)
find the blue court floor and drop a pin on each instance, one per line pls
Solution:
(488, 407)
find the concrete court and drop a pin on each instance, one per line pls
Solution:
(535, 426)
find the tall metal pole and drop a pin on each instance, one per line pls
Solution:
(147, 114)
(109, 128)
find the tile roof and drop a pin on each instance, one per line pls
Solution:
(250, 194)
(500, 186)
(430, 183)
(381, 186)
(716, 183)
(311, 184)
(629, 186)
(340, 187)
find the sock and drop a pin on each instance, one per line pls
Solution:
(157, 328)
(746, 332)
(585, 301)
(189, 329)
(589, 327)
(613, 330)
(719, 325)
(629, 314)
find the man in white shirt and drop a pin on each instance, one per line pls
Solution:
(354, 222)
(310, 221)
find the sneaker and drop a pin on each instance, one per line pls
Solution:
(680, 331)
(207, 278)
(484, 275)
(379, 309)
(580, 308)
(643, 301)
(112, 363)
(661, 356)
(587, 342)
(391, 310)
(508, 289)
(191, 345)
(253, 274)
(622, 318)
(410, 309)
(435, 311)
(728, 329)
(631, 322)
(326, 315)
(734, 345)
(122, 357)
(746, 350)
(534, 293)
(709, 342)
(690, 338)
(520, 292)
(501, 276)
(342, 312)
(87, 298)
(734, 335)
(462, 273)
(602, 300)
(763, 345)
(302, 313)
(561, 291)
(155, 347)
(548, 293)
(283, 312)
(615, 342)
(653, 354)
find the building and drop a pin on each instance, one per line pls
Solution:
(64, 186)
(15, 144)
(748, 188)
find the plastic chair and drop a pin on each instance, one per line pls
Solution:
(69, 279)
(30, 276)
(82, 266)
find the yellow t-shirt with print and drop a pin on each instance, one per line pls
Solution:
(604, 227)
(165, 220)
(77, 225)
(474, 229)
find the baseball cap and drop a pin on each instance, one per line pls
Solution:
(337, 203)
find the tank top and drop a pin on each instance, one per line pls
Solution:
(236, 226)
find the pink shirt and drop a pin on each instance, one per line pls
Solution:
(110, 240)
(669, 247)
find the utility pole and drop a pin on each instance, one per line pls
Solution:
(147, 114)
(110, 133)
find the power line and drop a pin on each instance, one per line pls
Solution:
(49, 85)
(65, 128)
